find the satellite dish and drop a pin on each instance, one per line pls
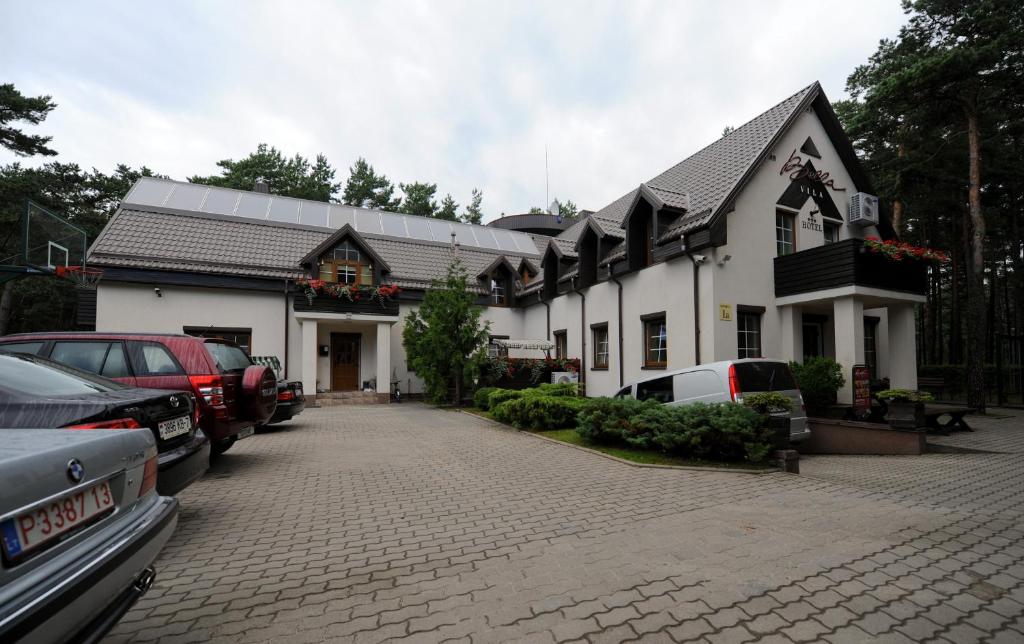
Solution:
(555, 209)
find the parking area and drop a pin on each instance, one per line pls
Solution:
(371, 523)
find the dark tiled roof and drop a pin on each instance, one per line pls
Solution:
(179, 242)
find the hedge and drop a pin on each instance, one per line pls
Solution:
(480, 397)
(721, 432)
(549, 406)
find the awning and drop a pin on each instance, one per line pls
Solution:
(543, 345)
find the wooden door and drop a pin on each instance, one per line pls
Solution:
(345, 361)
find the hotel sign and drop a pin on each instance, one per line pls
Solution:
(798, 170)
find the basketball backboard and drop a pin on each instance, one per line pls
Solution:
(37, 241)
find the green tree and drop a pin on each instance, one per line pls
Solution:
(473, 214)
(86, 199)
(537, 211)
(16, 107)
(445, 340)
(567, 209)
(957, 63)
(419, 199)
(449, 210)
(294, 177)
(367, 189)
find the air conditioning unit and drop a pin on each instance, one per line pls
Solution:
(564, 377)
(863, 209)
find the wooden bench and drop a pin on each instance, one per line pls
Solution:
(937, 385)
(956, 422)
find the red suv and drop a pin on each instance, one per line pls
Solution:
(234, 394)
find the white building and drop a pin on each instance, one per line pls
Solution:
(746, 248)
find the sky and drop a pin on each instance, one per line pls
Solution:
(462, 94)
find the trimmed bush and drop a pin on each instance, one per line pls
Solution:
(539, 412)
(723, 432)
(819, 379)
(499, 396)
(480, 397)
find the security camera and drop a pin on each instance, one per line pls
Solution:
(156, 289)
(699, 259)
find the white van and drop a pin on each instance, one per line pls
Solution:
(725, 381)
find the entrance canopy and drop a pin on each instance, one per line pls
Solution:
(543, 345)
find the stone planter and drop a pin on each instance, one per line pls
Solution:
(780, 431)
(905, 415)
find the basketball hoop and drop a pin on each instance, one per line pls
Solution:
(83, 276)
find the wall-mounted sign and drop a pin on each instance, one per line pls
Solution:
(861, 390)
(798, 170)
(725, 312)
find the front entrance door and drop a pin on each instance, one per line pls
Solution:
(344, 361)
(814, 340)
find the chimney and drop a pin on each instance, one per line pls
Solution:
(455, 245)
(261, 186)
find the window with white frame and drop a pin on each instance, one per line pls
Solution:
(785, 233)
(748, 334)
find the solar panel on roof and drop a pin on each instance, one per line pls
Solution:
(253, 205)
(314, 214)
(286, 210)
(186, 196)
(221, 202)
(152, 192)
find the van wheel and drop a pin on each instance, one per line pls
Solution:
(216, 449)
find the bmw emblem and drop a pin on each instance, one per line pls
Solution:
(174, 401)
(76, 471)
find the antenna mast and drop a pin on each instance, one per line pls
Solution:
(545, 173)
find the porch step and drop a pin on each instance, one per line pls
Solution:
(333, 398)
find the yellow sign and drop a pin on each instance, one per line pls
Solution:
(725, 312)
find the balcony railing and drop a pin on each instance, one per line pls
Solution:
(846, 263)
(327, 304)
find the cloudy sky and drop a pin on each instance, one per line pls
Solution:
(465, 94)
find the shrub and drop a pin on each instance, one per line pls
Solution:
(480, 397)
(539, 412)
(904, 395)
(499, 396)
(607, 420)
(726, 432)
(556, 389)
(819, 379)
(768, 402)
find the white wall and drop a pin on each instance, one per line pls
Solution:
(133, 307)
(748, 278)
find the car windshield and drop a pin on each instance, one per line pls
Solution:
(228, 356)
(764, 376)
(24, 375)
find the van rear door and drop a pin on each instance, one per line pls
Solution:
(769, 375)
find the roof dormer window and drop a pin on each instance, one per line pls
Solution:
(346, 264)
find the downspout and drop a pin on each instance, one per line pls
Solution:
(621, 357)
(583, 338)
(696, 306)
(284, 370)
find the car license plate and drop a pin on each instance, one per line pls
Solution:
(37, 527)
(174, 427)
(247, 432)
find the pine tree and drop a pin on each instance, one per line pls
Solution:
(449, 210)
(293, 177)
(473, 214)
(419, 199)
(15, 107)
(367, 189)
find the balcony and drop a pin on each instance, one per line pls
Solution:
(843, 264)
(327, 304)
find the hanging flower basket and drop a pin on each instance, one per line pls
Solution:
(898, 251)
(351, 292)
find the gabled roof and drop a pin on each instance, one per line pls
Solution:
(592, 224)
(343, 233)
(500, 261)
(530, 266)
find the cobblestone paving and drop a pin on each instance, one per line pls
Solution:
(366, 524)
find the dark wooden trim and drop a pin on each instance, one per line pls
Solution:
(813, 318)
(749, 308)
(652, 316)
(359, 357)
(597, 325)
(326, 304)
(872, 319)
(179, 278)
(846, 263)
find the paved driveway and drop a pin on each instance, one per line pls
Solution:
(371, 523)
